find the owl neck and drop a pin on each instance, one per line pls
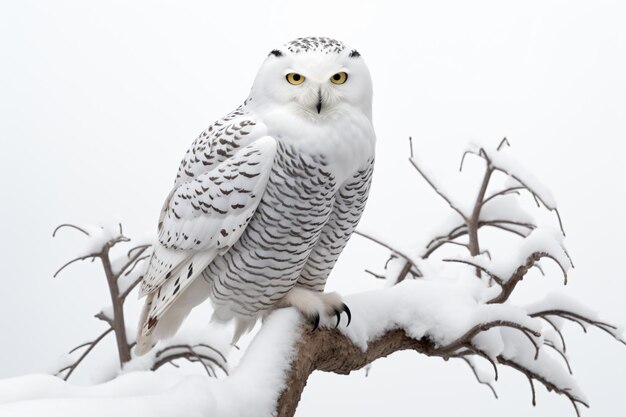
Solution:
(345, 137)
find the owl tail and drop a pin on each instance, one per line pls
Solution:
(166, 327)
(145, 342)
(242, 326)
(167, 305)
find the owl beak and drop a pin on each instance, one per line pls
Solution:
(319, 101)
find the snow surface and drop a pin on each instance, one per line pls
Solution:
(431, 176)
(505, 208)
(544, 365)
(98, 237)
(504, 162)
(251, 390)
(542, 239)
(441, 309)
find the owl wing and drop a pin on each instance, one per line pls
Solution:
(202, 218)
(344, 217)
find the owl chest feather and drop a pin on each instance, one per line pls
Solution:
(311, 164)
(345, 138)
(267, 260)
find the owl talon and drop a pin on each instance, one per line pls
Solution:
(316, 307)
(316, 321)
(348, 313)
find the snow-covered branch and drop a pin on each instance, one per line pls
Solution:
(501, 209)
(431, 316)
(66, 370)
(123, 274)
(202, 353)
(100, 241)
(470, 315)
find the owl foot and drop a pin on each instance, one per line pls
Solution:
(314, 305)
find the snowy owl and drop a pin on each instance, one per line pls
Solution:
(267, 197)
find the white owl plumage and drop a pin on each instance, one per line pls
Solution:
(267, 197)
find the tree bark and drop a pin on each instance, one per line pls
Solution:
(117, 321)
(330, 351)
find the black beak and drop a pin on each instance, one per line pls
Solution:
(319, 101)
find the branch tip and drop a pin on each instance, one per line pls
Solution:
(73, 226)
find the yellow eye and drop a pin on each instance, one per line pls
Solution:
(339, 78)
(294, 78)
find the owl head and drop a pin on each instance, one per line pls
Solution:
(314, 78)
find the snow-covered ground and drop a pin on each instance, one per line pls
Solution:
(433, 307)
(100, 101)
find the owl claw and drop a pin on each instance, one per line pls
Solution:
(338, 314)
(316, 306)
(348, 313)
(316, 321)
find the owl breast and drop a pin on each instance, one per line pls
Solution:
(266, 261)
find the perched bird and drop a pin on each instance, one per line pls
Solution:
(267, 197)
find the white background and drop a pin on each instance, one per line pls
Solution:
(99, 101)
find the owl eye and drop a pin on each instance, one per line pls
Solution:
(294, 78)
(339, 78)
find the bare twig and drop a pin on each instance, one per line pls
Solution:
(128, 290)
(506, 191)
(374, 274)
(140, 247)
(105, 318)
(392, 249)
(190, 353)
(130, 264)
(528, 226)
(484, 355)
(73, 226)
(561, 353)
(473, 221)
(509, 285)
(437, 190)
(439, 241)
(478, 267)
(90, 345)
(506, 229)
(580, 319)
(548, 384)
(451, 348)
(480, 381)
(532, 389)
(91, 256)
(503, 142)
(135, 263)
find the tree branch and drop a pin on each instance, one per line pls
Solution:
(473, 220)
(407, 258)
(132, 286)
(548, 384)
(581, 319)
(329, 350)
(509, 285)
(119, 325)
(480, 381)
(437, 190)
(72, 367)
(116, 322)
(133, 260)
(439, 241)
(73, 226)
(190, 353)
